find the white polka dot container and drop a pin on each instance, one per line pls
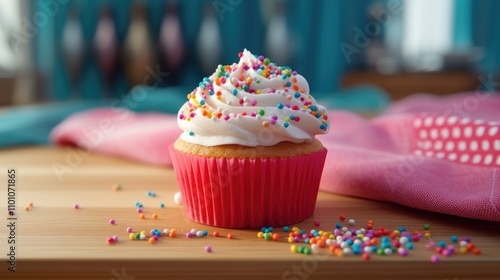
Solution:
(456, 139)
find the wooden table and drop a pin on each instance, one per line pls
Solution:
(56, 241)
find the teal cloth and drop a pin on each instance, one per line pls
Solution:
(32, 124)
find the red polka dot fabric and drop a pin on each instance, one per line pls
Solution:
(440, 154)
(456, 139)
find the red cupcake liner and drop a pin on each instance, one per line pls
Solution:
(248, 193)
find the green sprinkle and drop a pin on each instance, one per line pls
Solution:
(301, 249)
(261, 112)
(426, 227)
(307, 251)
(380, 251)
(267, 61)
(267, 236)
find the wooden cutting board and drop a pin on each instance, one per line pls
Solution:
(56, 241)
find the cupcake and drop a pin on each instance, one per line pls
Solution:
(248, 156)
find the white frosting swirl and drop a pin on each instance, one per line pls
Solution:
(252, 103)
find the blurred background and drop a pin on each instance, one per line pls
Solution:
(356, 54)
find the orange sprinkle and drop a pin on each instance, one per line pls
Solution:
(294, 80)
(142, 216)
(331, 249)
(265, 123)
(155, 216)
(172, 233)
(217, 81)
(312, 240)
(295, 87)
(275, 236)
(321, 243)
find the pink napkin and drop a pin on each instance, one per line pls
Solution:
(434, 153)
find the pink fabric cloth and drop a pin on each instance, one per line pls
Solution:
(439, 154)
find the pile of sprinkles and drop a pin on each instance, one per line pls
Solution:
(244, 84)
(365, 242)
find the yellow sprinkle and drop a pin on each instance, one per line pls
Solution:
(260, 234)
(131, 236)
(188, 118)
(427, 234)
(290, 239)
(287, 119)
(293, 248)
(295, 229)
(331, 236)
(258, 91)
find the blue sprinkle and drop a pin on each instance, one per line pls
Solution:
(338, 225)
(235, 91)
(288, 84)
(401, 229)
(306, 240)
(297, 94)
(441, 244)
(202, 102)
(322, 126)
(286, 124)
(280, 106)
(409, 246)
(191, 133)
(286, 229)
(312, 107)
(292, 117)
(454, 238)
(349, 242)
(162, 205)
(301, 231)
(211, 92)
(284, 76)
(263, 229)
(205, 232)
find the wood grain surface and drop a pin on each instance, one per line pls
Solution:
(56, 241)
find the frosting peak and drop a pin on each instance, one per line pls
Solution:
(252, 103)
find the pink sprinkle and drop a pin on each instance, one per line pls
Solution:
(223, 80)
(434, 258)
(227, 117)
(272, 121)
(189, 235)
(208, 249)
(155, 237)
(112, 221)
(236, 84)
(295, 107)
(254, 102)
(76, 206)
(129, 229)
(294, 73)
(241, 101)
(139, 210)
(253, 114)
(181, 116)
(316, 223)
(297, 118)
(115, 238)
(192, 114)
(274, 117)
